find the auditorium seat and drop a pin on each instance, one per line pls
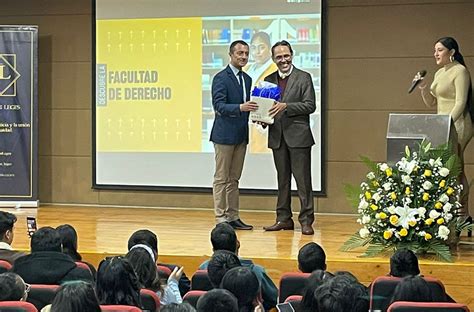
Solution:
(193, 296)
(200, 281)
(83, 266)
(5, 265)
(405, 306)
(163, 272)
(41, 295)
(119, 308)
(291, 283)
(17, 306)
(382, 288)
(150, 300)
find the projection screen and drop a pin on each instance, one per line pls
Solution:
(154, 61)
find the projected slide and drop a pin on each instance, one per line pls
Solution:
(154, 70)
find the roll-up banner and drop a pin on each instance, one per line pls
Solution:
(18, 116)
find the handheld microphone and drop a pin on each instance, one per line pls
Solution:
(416, 81)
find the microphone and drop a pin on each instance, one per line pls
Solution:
(416, 81)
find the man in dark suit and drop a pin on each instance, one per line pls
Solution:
(290, 139)
(230, 133)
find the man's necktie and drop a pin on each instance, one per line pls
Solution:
(241, 82)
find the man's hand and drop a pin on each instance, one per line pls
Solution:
(248, 106)
(276, 108)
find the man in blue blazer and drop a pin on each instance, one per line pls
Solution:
(230, 133)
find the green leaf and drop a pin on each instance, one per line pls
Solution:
(374, 250)
(454, 165)
(354, 242)
(369, 163)
(407, 151)
(441, 251)
(427, 147)
(352, 194)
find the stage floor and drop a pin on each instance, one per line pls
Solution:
(184, 240)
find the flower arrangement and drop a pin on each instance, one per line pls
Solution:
(412, 204)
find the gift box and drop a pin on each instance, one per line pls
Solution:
(264, 94)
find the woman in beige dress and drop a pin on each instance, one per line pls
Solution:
(451, 92)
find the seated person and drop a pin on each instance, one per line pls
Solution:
(117, 283)
(221, 262)
(178, 307)
(142, 261)
(413, 288)
(316, 279)
(69, 240)
(77, 296)
(149, 238)
(223, 237)
(244, 285)
(311, 257)
(218, 300)
(7, 222)
(404, 263)
(47, 264)
(13, 288)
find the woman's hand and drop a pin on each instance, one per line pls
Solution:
(176, 274)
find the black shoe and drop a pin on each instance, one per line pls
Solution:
(239, 225)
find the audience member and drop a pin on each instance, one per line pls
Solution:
(404, 263)
(12, 287)
(149, 238)
(316, 279)
(244, 285)
(218, 300)
(221, 262)
(413, 288)
(117, 282)
(7, 223)
(77, 296)
(223, 237)
(142, 261)
(178, 307)
(47, 264)
(69, 240)
(311, 257)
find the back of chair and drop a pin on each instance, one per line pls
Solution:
(17, 306)
(42, 295)
(201, 281)
(292, 283)
(405, 306)
(163, 272)
(7, 266)
(150, 300)
(119, 308)
(383, 287)
(193, 296)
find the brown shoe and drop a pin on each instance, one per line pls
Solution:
(307, 229)
(280, 225)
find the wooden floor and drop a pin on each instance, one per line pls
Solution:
(184, 239)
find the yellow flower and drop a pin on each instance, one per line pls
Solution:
(438, 205)
(387, 234)
(393, 196)
(374, 207)
(407, 191)
(440, 221)
(375, 183)
(383, 215)
(429, 221)
(427, 173)
(442, 183)
(428, 236)
(368, 195)
(393, 219)
(403, 232)
(426, 196)
(412, 223)
(450, 191)
(388, 172)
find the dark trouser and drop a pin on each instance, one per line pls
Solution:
(296, 162)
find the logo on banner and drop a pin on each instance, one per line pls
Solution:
(8, 75)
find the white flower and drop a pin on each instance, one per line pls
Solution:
(431, 162)
(421, 212)
(365, 219)
(406, 214)
(443, 172)
(376, 197)
(427, 185)
(391, 209)
(443, 232)
(406, 179)
(447, 207)
(363, 204)
(407, 166)
(383, 167)
(448, 217)
(364, 232)
(444, 198)
(370, 175)
(422, 233)
(434, 214)
(387, 186)
(407, 201)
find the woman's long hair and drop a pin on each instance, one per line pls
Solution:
(69, 240)
(145, 268)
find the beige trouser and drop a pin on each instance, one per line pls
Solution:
(225, 189)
